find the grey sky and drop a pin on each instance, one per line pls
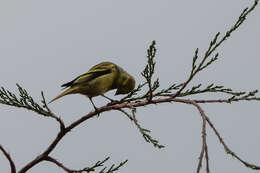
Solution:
(46, 43)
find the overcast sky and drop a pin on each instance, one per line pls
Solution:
(44, 44)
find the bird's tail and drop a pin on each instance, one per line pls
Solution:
(66, 92)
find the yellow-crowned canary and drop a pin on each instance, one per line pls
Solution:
(98, 80)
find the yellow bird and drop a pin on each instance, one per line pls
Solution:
(98, 80)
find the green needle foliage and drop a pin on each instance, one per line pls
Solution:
(24, 100)
(149, 71)
(111, 169)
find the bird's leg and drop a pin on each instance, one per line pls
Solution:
(111, 100)
(96, 109)
(107, 98)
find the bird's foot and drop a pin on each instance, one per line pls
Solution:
(96, 110)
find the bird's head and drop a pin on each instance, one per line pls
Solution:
(126, 84)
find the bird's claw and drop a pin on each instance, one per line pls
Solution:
(96, 110)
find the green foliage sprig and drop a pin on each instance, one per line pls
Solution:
(149, 71)
(25, 100)
(111, 169)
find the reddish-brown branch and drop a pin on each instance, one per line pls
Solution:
(119, 106)
(50, 159)
(45, 154)
(8, 157)
(64, 131)
(207, 158)
(204, 142)
(252, 166)
(49, 113)
(226, 100)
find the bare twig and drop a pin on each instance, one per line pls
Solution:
(227, 100)
(8, 157)
(145, 132)
(59, 164)
(207, 158)
(229, 151)
(50, 114)
(204, 142)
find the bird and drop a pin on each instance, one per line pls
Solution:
(100, 79)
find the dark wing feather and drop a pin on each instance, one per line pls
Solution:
(87, 77)
(68, 84)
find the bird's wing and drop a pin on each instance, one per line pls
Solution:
(96, 71)
(90, 75)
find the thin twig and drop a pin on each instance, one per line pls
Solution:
(145, 132)
(204, 142)
(8, 157)
(51, 114)
(228, 150)
(207, 158)
(227, 100)
(59, 164)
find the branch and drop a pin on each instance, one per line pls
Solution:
(52, 115)
(210, 89)
(207, 158)
(87, 169)
(228, 151)
(229, 100)
(50, 159)
(8, 157)
(94, 113)
(204, 149)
